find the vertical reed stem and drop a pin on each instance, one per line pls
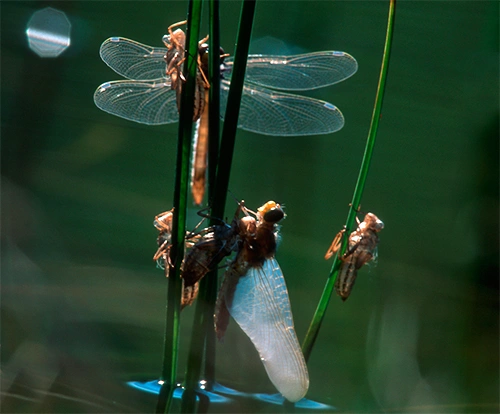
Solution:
(319, 314)
(172, 320)
(233, 108)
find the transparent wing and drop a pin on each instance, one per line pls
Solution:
(132, 59)
(261, 308)
(275, 113)
(298, 72)
(144, 102)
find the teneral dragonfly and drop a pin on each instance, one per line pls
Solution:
(150, 95)
(254, 293)
(361, 249)
(148, 98)
(137, 100)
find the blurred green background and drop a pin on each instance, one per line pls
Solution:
(82, 302)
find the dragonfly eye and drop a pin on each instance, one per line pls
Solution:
(274, 215)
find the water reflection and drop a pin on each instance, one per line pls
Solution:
(392, 354)
(154, 386)
(215, 396)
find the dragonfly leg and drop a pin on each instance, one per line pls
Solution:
(175, 66)
(206, 83)
(208, 216)
(172, 26)
(163, 251)
(247, 211)
(336, 243)
(203, 40)
(358, 210)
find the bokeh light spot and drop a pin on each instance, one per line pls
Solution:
(48, 32)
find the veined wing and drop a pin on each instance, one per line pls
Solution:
(148, 103)
(298, 72)
(133, 60)
(275, 113)
(261, 307)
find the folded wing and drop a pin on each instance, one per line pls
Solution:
(261, 308)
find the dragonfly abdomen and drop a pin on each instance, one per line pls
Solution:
(237, 268)
(346, 277)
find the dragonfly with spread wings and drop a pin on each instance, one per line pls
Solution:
(143, 101)
(151, 93)
(148, 97)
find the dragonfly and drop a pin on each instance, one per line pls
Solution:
(137, 100)
(254, 293)
(362, 248)
(150, 95)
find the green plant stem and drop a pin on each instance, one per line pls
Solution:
(171, 340)
(203, 337)
(233, 108)
(214, 94)
(224, 162)
(317, 320)
(202, 343)
(214, 125)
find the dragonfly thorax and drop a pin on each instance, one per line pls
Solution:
(248, 226)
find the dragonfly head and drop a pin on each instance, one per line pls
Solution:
(271, 212)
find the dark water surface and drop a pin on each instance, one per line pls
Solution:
(82, 304)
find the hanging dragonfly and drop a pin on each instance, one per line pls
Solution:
(151, 93)
(361, 249)
(254, 293)
(137, 100)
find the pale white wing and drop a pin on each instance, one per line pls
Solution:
(133, 60)
(298, 72)
(281, 114)
(148, 103)
(261, 308)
